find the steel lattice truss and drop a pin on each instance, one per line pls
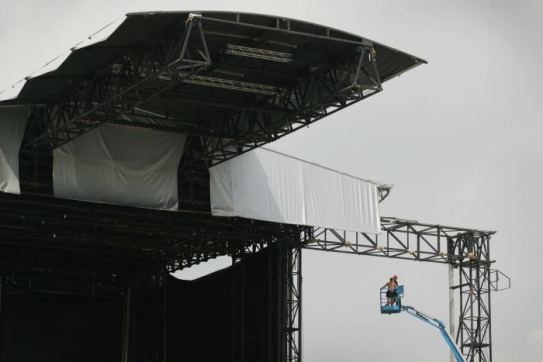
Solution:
(292, 281)
(465, 249)
(475, 275)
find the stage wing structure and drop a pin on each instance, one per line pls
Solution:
(129, 123)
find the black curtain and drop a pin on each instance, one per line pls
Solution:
(224, 316)
(56, 327)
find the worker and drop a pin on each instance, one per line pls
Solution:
(391, 291)
(396, 300)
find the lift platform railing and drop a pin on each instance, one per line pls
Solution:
(396, 306)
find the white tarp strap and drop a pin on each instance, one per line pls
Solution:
(12, 127)
(266, 185)
(120, 165)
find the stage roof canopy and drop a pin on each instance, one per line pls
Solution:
(301, 48)
(217, 84)
(237, 80)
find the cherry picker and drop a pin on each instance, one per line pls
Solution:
(397, 307)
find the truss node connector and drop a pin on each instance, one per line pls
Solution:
(194, 16)
(383, 191)
(368, 46)
(354, 89)
(367, 43)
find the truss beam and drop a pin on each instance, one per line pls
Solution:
(474, 332)
(258, 53)
(286, 301)
(315, 97)
(164, 69)
(401, 239)
(90, 241)
(108, 96)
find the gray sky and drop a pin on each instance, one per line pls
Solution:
(460, 138)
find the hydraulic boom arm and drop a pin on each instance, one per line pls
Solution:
(438, 324)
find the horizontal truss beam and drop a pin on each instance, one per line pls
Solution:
(80, 236)
(401, 239)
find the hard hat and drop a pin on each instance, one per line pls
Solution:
(395, 277)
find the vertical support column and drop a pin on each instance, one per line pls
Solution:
(293, 330)
(473, 262)
(242, 297)
(164, 320)
(126, 326)
(239, 295)
(276, 312)
(285, 314)
(452, 318)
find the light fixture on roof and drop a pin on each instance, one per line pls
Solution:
(258, 53)
(233, 84)
(214, 82)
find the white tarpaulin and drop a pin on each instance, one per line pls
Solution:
(120, 165)
(12, 127)
(266, 185)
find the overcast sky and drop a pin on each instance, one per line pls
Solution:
(461, 139)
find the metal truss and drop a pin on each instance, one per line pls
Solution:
(288, 109)
(477, 280)
(100, 243)
(467, 250)
(293, 330)
(129, 84)
(284, 319)
(123, 95)
(258, 53)
(286, 301)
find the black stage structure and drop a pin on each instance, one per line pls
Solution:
(231, 82)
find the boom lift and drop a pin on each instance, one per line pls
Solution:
(397, 307)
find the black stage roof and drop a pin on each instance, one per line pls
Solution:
(311, 47)
(230, 81)
(236, 81)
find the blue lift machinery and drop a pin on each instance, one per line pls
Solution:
(397, 307)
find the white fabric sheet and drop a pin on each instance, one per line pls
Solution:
(120, 165)
(12, 127)
(266, 185)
